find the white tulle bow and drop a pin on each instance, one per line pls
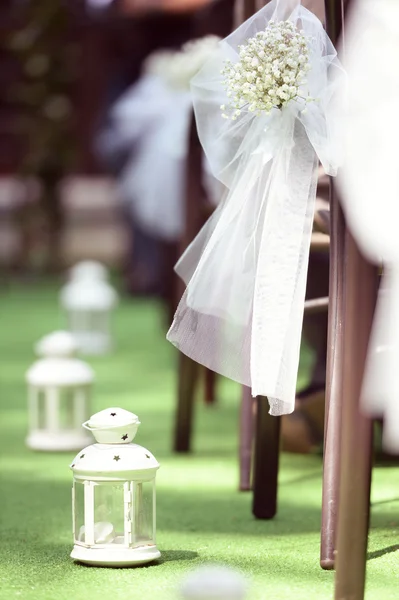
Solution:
(242, 312)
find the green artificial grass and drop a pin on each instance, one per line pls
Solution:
(202, 517)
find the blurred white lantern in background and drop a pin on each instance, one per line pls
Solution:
(214, 582)
(114, 494)
(88, 300)
(59, 388)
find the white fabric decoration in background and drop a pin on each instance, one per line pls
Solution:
(370, 189)
(152, 118)
(242, 312)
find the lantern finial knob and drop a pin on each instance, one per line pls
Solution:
(113, 426)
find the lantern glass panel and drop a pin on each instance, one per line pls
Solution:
(66, 409)
(41, 409)
(109, 527)
(77, 320)
(144, 510)
(79, 508)
(98, 320)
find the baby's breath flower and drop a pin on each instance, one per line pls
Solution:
(270, 72)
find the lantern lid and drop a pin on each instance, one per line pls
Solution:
(59, 372)
(111, 417)
(88, 294)
(113, 426)
(57, 344)
(115, 461)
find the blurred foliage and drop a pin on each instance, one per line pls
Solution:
(48, 58)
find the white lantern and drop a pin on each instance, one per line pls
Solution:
(114, 495)
(214, 582)
(59, 386)
(88, 299)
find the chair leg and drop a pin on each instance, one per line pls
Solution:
(266, 461)
(333, 412)
(335, 14)
(188, 372)
(210, 386)
(354, 499)
(246, 438)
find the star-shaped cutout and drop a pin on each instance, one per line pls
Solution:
(113, 414)
(117, 458)
(124, 437)
(82, 456)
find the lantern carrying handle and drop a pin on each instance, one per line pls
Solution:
(87, 426)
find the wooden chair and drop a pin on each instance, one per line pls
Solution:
(266, 506)
(348, 433)
(358, 286)
(197, 211)
(215, 19)
(268, 428)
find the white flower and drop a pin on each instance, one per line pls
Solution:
(270, 70)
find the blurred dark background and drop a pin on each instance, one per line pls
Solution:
(63, 63)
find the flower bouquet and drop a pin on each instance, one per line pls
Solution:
(263, 110)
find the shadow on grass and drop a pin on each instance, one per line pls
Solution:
(167, 556)
(386, 501)
(382, 552)
(305, 477)
(176, 555)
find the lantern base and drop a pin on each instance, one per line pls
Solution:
(121, 557)
(62, 441)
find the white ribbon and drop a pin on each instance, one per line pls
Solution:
(152, 120)
(241, 314)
